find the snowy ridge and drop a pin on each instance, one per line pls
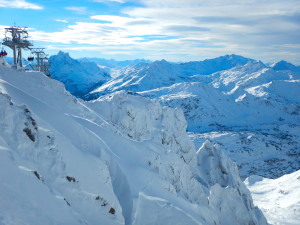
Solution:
(91, 163)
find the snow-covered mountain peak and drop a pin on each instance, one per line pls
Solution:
(78, 77)
(284, 65)
(162, 62)
(65, 58)
(236, 59)
(63, 54)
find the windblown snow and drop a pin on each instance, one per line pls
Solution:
(120, 159)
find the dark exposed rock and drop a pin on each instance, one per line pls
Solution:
(29, 134)
(112, 211)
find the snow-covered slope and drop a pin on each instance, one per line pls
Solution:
(204, 107)
(79, 77)
(278, 198)
(121, 159)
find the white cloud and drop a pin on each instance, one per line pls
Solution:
(20, 4)
(62, 21)
(191, 28)
(79, 10)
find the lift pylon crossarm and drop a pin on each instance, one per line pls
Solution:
(41, 59)
(16, 39)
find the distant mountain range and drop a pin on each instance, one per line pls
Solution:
(111, 63)
(148, 76)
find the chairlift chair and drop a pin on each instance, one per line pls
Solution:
(3, 53)
(30, 58)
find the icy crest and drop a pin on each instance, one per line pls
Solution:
(221, 173)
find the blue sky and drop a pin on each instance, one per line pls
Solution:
(175, 30)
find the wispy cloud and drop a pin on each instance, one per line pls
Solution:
(61, 21)
(79, 10)
(19, 4)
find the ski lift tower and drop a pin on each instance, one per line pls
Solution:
(16, 39)
(41, 59)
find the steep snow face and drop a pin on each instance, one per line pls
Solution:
(65, 161)
(278, 198)
(79, 77)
